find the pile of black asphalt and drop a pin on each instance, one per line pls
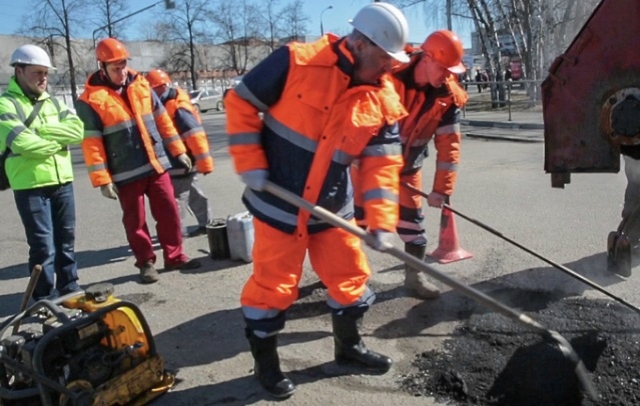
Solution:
(493, 360)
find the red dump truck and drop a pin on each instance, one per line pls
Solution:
(591, 108)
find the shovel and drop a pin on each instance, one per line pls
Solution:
(620, 242)
(31, 286)
(566, 348)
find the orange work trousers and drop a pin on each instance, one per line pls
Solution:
(335, 255)
(358, 200)
(410, 227)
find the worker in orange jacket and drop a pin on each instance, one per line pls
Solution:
(433, 97)
(431, 93)
(186, 188)
(323, 105)
(126, 129)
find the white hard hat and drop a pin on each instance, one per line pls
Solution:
(30, 55)
(385, 26)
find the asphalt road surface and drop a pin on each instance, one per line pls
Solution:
(195, 315)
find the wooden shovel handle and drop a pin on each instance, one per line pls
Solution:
(31, 285)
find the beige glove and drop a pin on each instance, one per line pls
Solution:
(381, 241)
(109, 191)
(185, 161)
(436, 199)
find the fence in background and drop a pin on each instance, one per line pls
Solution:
(508, 96)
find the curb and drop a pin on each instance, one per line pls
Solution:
(503, 138)
(502, 124)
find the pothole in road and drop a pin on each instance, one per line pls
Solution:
(492, 360)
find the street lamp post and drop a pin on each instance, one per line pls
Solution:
(168, 4)
(321, 13)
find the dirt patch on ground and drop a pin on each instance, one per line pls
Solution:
(492, 360)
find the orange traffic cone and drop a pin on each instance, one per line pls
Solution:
(448, 247)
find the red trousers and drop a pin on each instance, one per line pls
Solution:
(335, 255)
(164, 210)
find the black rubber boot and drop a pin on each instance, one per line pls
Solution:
(267, 365)
(350, 349)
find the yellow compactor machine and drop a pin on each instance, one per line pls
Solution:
(84, 349)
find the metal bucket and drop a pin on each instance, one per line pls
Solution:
(218, 240)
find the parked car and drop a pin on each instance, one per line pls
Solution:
(206, 99)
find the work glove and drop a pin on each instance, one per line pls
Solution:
(435, 199)
(255, 179)
(381, 241)
(109, 191)
(185, 161)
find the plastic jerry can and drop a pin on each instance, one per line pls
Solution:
(240, 236)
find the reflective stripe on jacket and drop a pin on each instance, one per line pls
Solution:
(315, 124)
(433, 113)
(125, 135)
(39, 155)
(189, 125)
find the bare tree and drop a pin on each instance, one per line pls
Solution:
(53, 19)
(236, 23)
(161, 31)
(272, 20)
(541, 30)
(562, 20)
(184, 28)
(109, 12)
(286, 23)
(538, 29)
(484, 12)
(294, 20)
(451, 14)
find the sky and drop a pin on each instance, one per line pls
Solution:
(333, 20)
(337, 19)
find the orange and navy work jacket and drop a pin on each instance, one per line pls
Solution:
(189, 125)
(315, 123)
(125, 132)
(433, 113)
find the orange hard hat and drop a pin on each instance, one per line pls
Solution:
(445, 47)
(158, 77)
(111, 50)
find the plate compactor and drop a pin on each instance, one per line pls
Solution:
(86, 348)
